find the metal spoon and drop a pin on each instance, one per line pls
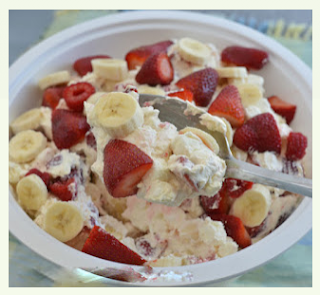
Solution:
(173, 111)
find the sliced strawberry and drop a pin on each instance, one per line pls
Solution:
(157, 69)
(83, 65)
(68, 128)
(296, 146)
(259, 133)
(234, 228)
(284, 109)
(76, 94)
(251, 58)
(217, 204)
(202, 84)
(62, 189)
(185, 95)
(52, 96)
(137, 56)
(124, 166)
(236, 187)
(45, 176)
(103, 245)
(228, 105)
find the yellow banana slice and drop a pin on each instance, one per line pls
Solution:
(253, 206)
(28, 120)
(26, 145)
(110, 69)
(205, 137)
(249, 93)
(63, 220)
(32, 192)
(151, 90)
(193, 51)
(16, 172)
(232, 72)
(118, 113)
(54, 79)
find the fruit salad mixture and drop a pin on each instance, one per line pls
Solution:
(104, 175)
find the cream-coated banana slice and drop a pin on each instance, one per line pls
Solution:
(144, 89)
(249, 93)
(28, 120)
(26, 145)
(63, 220)
(110, 69)
(54, 79)
(93, 99)
(32, 192)
(118, 113)
(205, 137)
(252, 206)
(232, 72)
(193, 51)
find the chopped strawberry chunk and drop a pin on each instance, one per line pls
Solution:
(236, 187)
(228, 105)
(68, 128)
(296, 146)
(157, 69)
(234, 228)
(63, 190)
(137, 56)
(202, 84)
(83, 65)
(52, 96)
(45, 176)
(217, 204)
(259, 133)
(91, 140)
(124, 167)
(254, 231)
(284, 109)
(185, 95)
(250, 58)
(76, 94)
(103, 245)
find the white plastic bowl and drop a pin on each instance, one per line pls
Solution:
(285, 75)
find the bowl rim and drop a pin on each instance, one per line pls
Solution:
(301, 218)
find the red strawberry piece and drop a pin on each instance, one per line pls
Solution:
(236, 187)
(124, 166)
(83, 65)
(296, 146)
(91, 140)
(136, 57)
(234, 229)
(78, 241)
(45, 176)
(202, 84)
(254, 231)
(259, 133)
(68, 128)
(228, 105)
(157, 69)
(52, 96)
(76, 94)
(103, 245)
(284, 109)
(217, 204)
(63, 190)
(250, 58)
(185, 95)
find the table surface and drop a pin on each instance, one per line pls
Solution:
(292, 268)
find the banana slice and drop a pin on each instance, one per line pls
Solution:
(28, 120)
(63, 220)
(118, 113)
(205, 137)
(232, 72)
(194, 51)
(32, 192)
(54, 79)
(26, 145)
(16, 172)
(110, 69)
(253, 206)
(250, 93)
(151, 90)
(229, 133)
(93, 99)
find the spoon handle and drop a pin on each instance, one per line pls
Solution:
(245, 171)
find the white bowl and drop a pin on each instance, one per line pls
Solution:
(285, 75)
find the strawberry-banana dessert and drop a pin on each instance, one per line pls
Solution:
(106, 176)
